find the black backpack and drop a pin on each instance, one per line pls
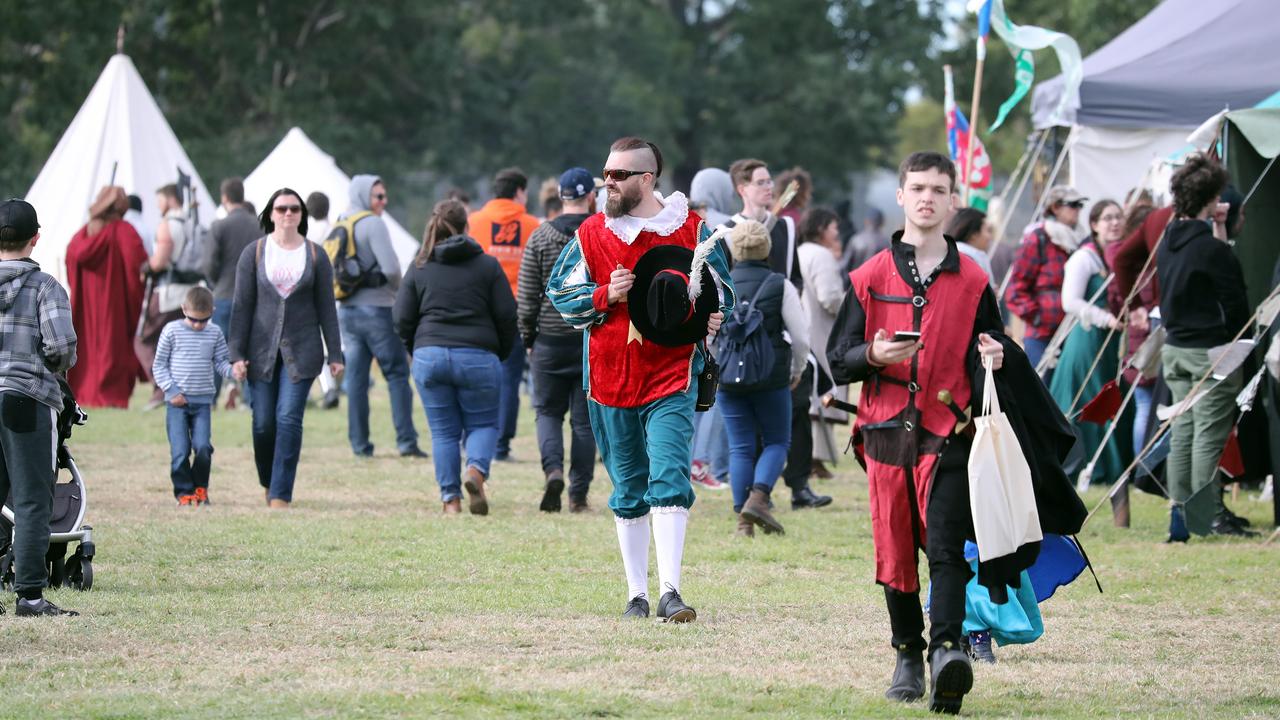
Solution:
(745, 351)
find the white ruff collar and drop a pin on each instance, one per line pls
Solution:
(675, 210)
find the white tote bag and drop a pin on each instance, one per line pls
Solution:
(1000, 491)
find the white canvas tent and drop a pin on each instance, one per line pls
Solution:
(300, 164)
(119, 125)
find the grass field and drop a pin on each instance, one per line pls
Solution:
(364, 601)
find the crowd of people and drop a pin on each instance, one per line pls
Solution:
(705, 341)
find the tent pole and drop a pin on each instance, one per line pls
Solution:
(1053, 176)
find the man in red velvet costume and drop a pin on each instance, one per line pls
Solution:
(641, 376)
(916, 461)
(104, 271)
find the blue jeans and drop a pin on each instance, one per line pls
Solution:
(189, 434)
(221, 318)
(509, 400)
(709, 443)
(367, 333)
(1034, 349)
(278, 405)
(756, 420)
(459, 390)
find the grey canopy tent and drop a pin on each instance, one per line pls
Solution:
(1144, 91)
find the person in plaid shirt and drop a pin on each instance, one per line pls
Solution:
(1035, 288)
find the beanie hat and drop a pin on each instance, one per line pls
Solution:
(749, 240)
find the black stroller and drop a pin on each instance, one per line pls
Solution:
(66, 525)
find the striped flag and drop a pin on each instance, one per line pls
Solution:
(979, 178)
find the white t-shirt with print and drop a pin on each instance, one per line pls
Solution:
(285, 267)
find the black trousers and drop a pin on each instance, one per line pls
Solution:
(800, 454)
(28, 436)
(556, 369)
(948, 523)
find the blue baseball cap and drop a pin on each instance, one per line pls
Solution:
(577, 182)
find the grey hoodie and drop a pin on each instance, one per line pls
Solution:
(37, 339)
(373, 246)
(714, 187)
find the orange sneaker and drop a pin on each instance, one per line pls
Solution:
(187, 500)
(202, 496)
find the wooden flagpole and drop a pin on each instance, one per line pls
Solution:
(973, 119)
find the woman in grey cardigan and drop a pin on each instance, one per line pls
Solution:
(283, 304)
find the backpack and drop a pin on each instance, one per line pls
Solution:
(340, 246)
(187, 263)
(745, 351)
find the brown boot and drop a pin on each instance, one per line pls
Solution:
(820, 471)
(453, 507)
(475, 491)
(746, 528)
(756, 509)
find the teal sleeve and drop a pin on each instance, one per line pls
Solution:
(571, 288)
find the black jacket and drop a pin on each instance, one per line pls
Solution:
(1046, 437)
(228, 238)
(461, 298)
(1202, 298)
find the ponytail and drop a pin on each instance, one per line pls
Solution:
(448, 218)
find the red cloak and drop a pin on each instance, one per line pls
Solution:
(104, 275)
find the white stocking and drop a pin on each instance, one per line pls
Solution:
(669, 525)
(633, 539)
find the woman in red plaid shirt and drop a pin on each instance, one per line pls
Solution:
(1035, 289)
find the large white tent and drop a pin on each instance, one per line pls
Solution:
(1154, 83)
(121, 127)
(299, 163)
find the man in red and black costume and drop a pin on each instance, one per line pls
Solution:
(916, 460)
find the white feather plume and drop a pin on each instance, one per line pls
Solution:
(700, 254)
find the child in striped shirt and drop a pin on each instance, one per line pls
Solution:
(190, 351)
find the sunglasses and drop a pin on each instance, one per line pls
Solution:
(197, 320)
(286, 209)
(623, 175)
(1077, 204)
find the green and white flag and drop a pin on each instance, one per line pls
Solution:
(1021, 41)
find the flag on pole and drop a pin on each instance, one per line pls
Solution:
(979, 180)
(1021, 41)
(984, 26)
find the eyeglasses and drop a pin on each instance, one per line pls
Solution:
(380, 196)
(197, 320)
(622, 175)
(767, 182)
(286, 209)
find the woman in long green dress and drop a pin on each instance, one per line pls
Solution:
(1072, 386)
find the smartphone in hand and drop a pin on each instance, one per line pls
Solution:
(901, 335)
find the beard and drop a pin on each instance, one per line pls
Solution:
(621, 204)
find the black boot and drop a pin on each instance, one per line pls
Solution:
(1225, 525)
(908, 677)
(952, 677)
(807, 498)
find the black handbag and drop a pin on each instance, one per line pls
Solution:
(708, 383)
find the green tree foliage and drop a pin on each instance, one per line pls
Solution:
(460, 88)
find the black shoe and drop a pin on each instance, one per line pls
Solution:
(807, 498)
(1236, 519)
(908, 677)
(503, 456)
(637, 608)
(416, 452)
(979, 647)
(40, 607)
(952, 675)
(671, 608)
(1223, 525)
(551, 493)
(330, 400)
